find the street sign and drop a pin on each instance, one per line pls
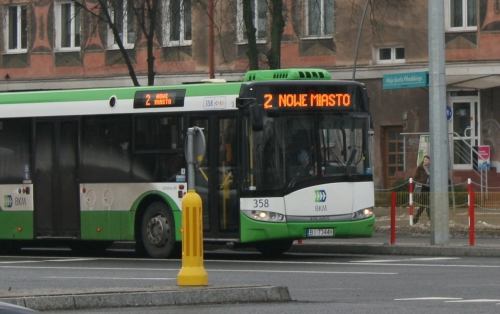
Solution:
(406, 80)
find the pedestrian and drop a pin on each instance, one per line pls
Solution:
(422, 179)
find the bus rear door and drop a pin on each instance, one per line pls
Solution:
(56, 181)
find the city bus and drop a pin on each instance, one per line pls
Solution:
(287, 158)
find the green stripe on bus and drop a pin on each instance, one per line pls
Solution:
(207, 89)
(16, 225)
(107, 225)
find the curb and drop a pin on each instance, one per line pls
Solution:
(395, 249)
(144, 297)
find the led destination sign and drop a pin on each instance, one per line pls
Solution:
(303, 100)
(159, 99)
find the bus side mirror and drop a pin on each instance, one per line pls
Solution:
(256, 116)
(255, 111)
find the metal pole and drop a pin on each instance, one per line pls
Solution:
(359, 38)
(190, 159)
(211, 39)
(437, 125)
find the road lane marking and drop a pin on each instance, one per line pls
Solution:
(433, 258)
(475, 300)
(377, 263)
(428, 298)
(103, 278)
(17, 262)
(53, 260)
(207, 269)
(70, 260)
(408, 259)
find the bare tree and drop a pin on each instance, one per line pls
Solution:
(250, 30)
(277, 26)
(141, 14)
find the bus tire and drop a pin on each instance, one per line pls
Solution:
(158, 230)
(273, 248)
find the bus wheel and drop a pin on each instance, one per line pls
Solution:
(273, 248)
(158, 230)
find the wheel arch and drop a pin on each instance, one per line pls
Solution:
(148, 198)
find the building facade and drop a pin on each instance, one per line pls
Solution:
(60, 44)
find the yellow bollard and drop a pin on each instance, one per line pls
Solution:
(193, 272)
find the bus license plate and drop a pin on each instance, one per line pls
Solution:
(319, 232)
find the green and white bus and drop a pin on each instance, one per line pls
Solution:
(287, 158)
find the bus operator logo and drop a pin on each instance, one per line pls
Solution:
(7, 201)
(320, 196)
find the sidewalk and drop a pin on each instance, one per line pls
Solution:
(79, 299)
(417, 243)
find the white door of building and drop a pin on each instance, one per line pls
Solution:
(463, 126)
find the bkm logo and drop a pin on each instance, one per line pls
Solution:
(7, 201)
(320, 196)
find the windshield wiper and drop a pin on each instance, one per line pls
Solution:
(344, 169)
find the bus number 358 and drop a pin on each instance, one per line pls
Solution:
(260, 203)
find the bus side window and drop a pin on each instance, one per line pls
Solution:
(175, 165)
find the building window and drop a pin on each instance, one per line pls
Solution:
(391, 55)
(259, 11)
(122, 15)
(461, 15)
(16, 32)
(67, 18)
(178, 23)
(319, 16)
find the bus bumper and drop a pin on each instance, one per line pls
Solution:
(252, 230)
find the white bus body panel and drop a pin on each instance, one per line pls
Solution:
(274, 204)
(17, 197)
(364, 196)
(122, 106)
(121, 196)
(337, 199)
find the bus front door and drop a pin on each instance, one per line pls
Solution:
(216, 178)
(55, 182)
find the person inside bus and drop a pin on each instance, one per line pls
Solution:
(422, 182)
(305, 165)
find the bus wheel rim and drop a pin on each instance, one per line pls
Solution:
(157, 230)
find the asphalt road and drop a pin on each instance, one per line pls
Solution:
(333, 283)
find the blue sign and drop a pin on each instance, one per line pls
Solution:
(406, 80)
(449, 112)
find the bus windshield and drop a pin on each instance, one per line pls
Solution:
(298, 148)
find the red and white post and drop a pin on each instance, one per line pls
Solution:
(411, 201)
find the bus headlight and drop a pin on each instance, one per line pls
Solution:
(362, 213)
(263, 215)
